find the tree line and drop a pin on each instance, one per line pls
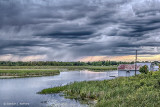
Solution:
(55, 63)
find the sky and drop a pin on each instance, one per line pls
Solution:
(79, 30)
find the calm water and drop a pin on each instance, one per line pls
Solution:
(22, 91)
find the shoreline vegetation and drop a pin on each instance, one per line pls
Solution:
(54, 63)
(23, 73)
(98, 68)
(39, 66)
(38, 71)
(136, 91)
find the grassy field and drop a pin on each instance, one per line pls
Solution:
(138, 91)
(27, 72)
(96, 68)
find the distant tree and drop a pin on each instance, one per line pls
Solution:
(144, 69)
(54, 63)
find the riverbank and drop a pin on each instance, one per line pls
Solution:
(136, 91)
(95, 68)
(22, 73)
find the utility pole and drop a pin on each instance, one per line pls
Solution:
(136, 63)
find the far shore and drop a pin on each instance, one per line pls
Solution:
(98, 68)
(7, 72)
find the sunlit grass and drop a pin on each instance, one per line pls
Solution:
(96, 68)
(28, 72)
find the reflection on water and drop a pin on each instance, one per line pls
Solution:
(22, 91)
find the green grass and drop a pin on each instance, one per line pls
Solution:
(138, 91)
(101, 68)
(28, 72)
(52, 90)
(96, 68)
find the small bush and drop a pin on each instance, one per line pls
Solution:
(144, 69)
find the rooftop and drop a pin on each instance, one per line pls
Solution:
(128, 67)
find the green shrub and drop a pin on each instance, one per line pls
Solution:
(144, 69)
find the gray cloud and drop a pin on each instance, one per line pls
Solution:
(69, 29)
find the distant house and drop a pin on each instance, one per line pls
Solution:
(126, 70)
(149, 64)
(156, 68)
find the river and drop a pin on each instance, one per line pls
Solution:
(22, 91)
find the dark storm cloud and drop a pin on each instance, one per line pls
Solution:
(69, 29)
(140, 26)
(13, 43)
(69, 35)
(17, 46)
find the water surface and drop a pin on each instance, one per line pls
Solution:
(22, 91)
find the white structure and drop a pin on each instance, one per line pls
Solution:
(126, 70)
(149, 64)
(156, 68)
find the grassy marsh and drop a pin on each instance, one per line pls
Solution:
(27, 72)
(99, 68)
(34, 71)
(137, 91)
